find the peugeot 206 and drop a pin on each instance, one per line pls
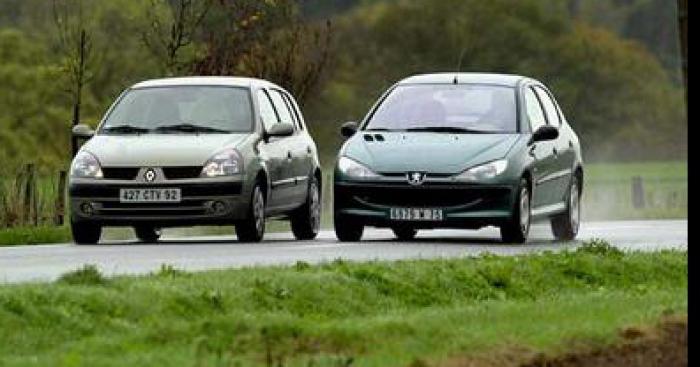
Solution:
(461, 150)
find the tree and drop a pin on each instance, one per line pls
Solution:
(269, 41)
(172, 28)
(75, 44)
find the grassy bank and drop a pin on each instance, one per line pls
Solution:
(340, 314)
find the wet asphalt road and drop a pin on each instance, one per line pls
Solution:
(47, 262)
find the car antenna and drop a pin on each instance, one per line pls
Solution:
(459, 66)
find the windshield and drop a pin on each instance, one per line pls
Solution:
(181, 109)
(447, 108)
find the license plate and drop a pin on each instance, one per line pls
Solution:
(149, 195)
(416, 214)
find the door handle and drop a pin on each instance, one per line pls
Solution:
(555, 152)
(289, 155)
(532, 151)
(308, 150)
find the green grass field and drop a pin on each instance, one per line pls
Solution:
(607, 196)
(374, 314)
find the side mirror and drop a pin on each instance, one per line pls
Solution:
(546, 132)
(83, 131)
(281, 130)
(348, 129)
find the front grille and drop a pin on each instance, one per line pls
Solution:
(184, 208)
(188, 190)
(182, 173)
(120, 173)
(427, 196)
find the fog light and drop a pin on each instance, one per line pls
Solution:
(87, 209)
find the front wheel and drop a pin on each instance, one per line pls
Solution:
(517, 227)
(405, 233)
(565, 226)
(85, 233)
(147, 234)
(306, 221)
(347, 229)
(252, 229)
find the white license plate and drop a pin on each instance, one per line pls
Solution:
(169, 195)
(416, 214)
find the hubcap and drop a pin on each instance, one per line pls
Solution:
(258, 210)
(524, 210)
(315, 207)
(575, 207)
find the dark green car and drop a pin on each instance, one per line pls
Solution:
(460, 151)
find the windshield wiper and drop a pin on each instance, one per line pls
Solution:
(125, 129)
(191, 128)
(448, 129)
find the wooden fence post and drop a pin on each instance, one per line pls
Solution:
(29, 195)
(637, 192)
(60, 204)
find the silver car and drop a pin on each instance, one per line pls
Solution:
(196, 151)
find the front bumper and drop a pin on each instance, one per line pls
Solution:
(198, 205)
(468, 206)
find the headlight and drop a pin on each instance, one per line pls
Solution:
(225, 163)
(85, 165)
(354, 169)
(483, 172)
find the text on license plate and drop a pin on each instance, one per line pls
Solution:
(417, 214)
(149, 195)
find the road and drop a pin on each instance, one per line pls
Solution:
(47, 262)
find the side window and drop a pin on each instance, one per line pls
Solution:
(267, 111)
(534, 110)
(295, 110)
(282, 108)
(549, 107)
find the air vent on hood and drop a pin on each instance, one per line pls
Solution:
(368, 137)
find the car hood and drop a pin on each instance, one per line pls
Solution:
(159, 150)
(440, 153)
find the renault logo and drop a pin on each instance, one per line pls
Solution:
(149, 175)
(415, 178)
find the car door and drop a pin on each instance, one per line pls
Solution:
(305, 148)
(541, 152)
(564, 155)
(275, 153)
(295, 148)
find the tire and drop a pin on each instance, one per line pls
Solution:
(566, 225)
(306, 221)
(85, 233)
(147, 234)
(405, 233)
(517, 227)
(347, 229)
(252, 229)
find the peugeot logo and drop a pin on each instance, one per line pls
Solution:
(415, 178)
(149, 175)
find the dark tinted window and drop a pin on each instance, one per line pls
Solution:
(267, 112)
(549, 107)
(534, 110)
(282, 107)
(484, 108)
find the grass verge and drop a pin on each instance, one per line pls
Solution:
(33, 235)
(420, 312)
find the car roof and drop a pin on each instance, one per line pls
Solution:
(226, 81)
(465, 78)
